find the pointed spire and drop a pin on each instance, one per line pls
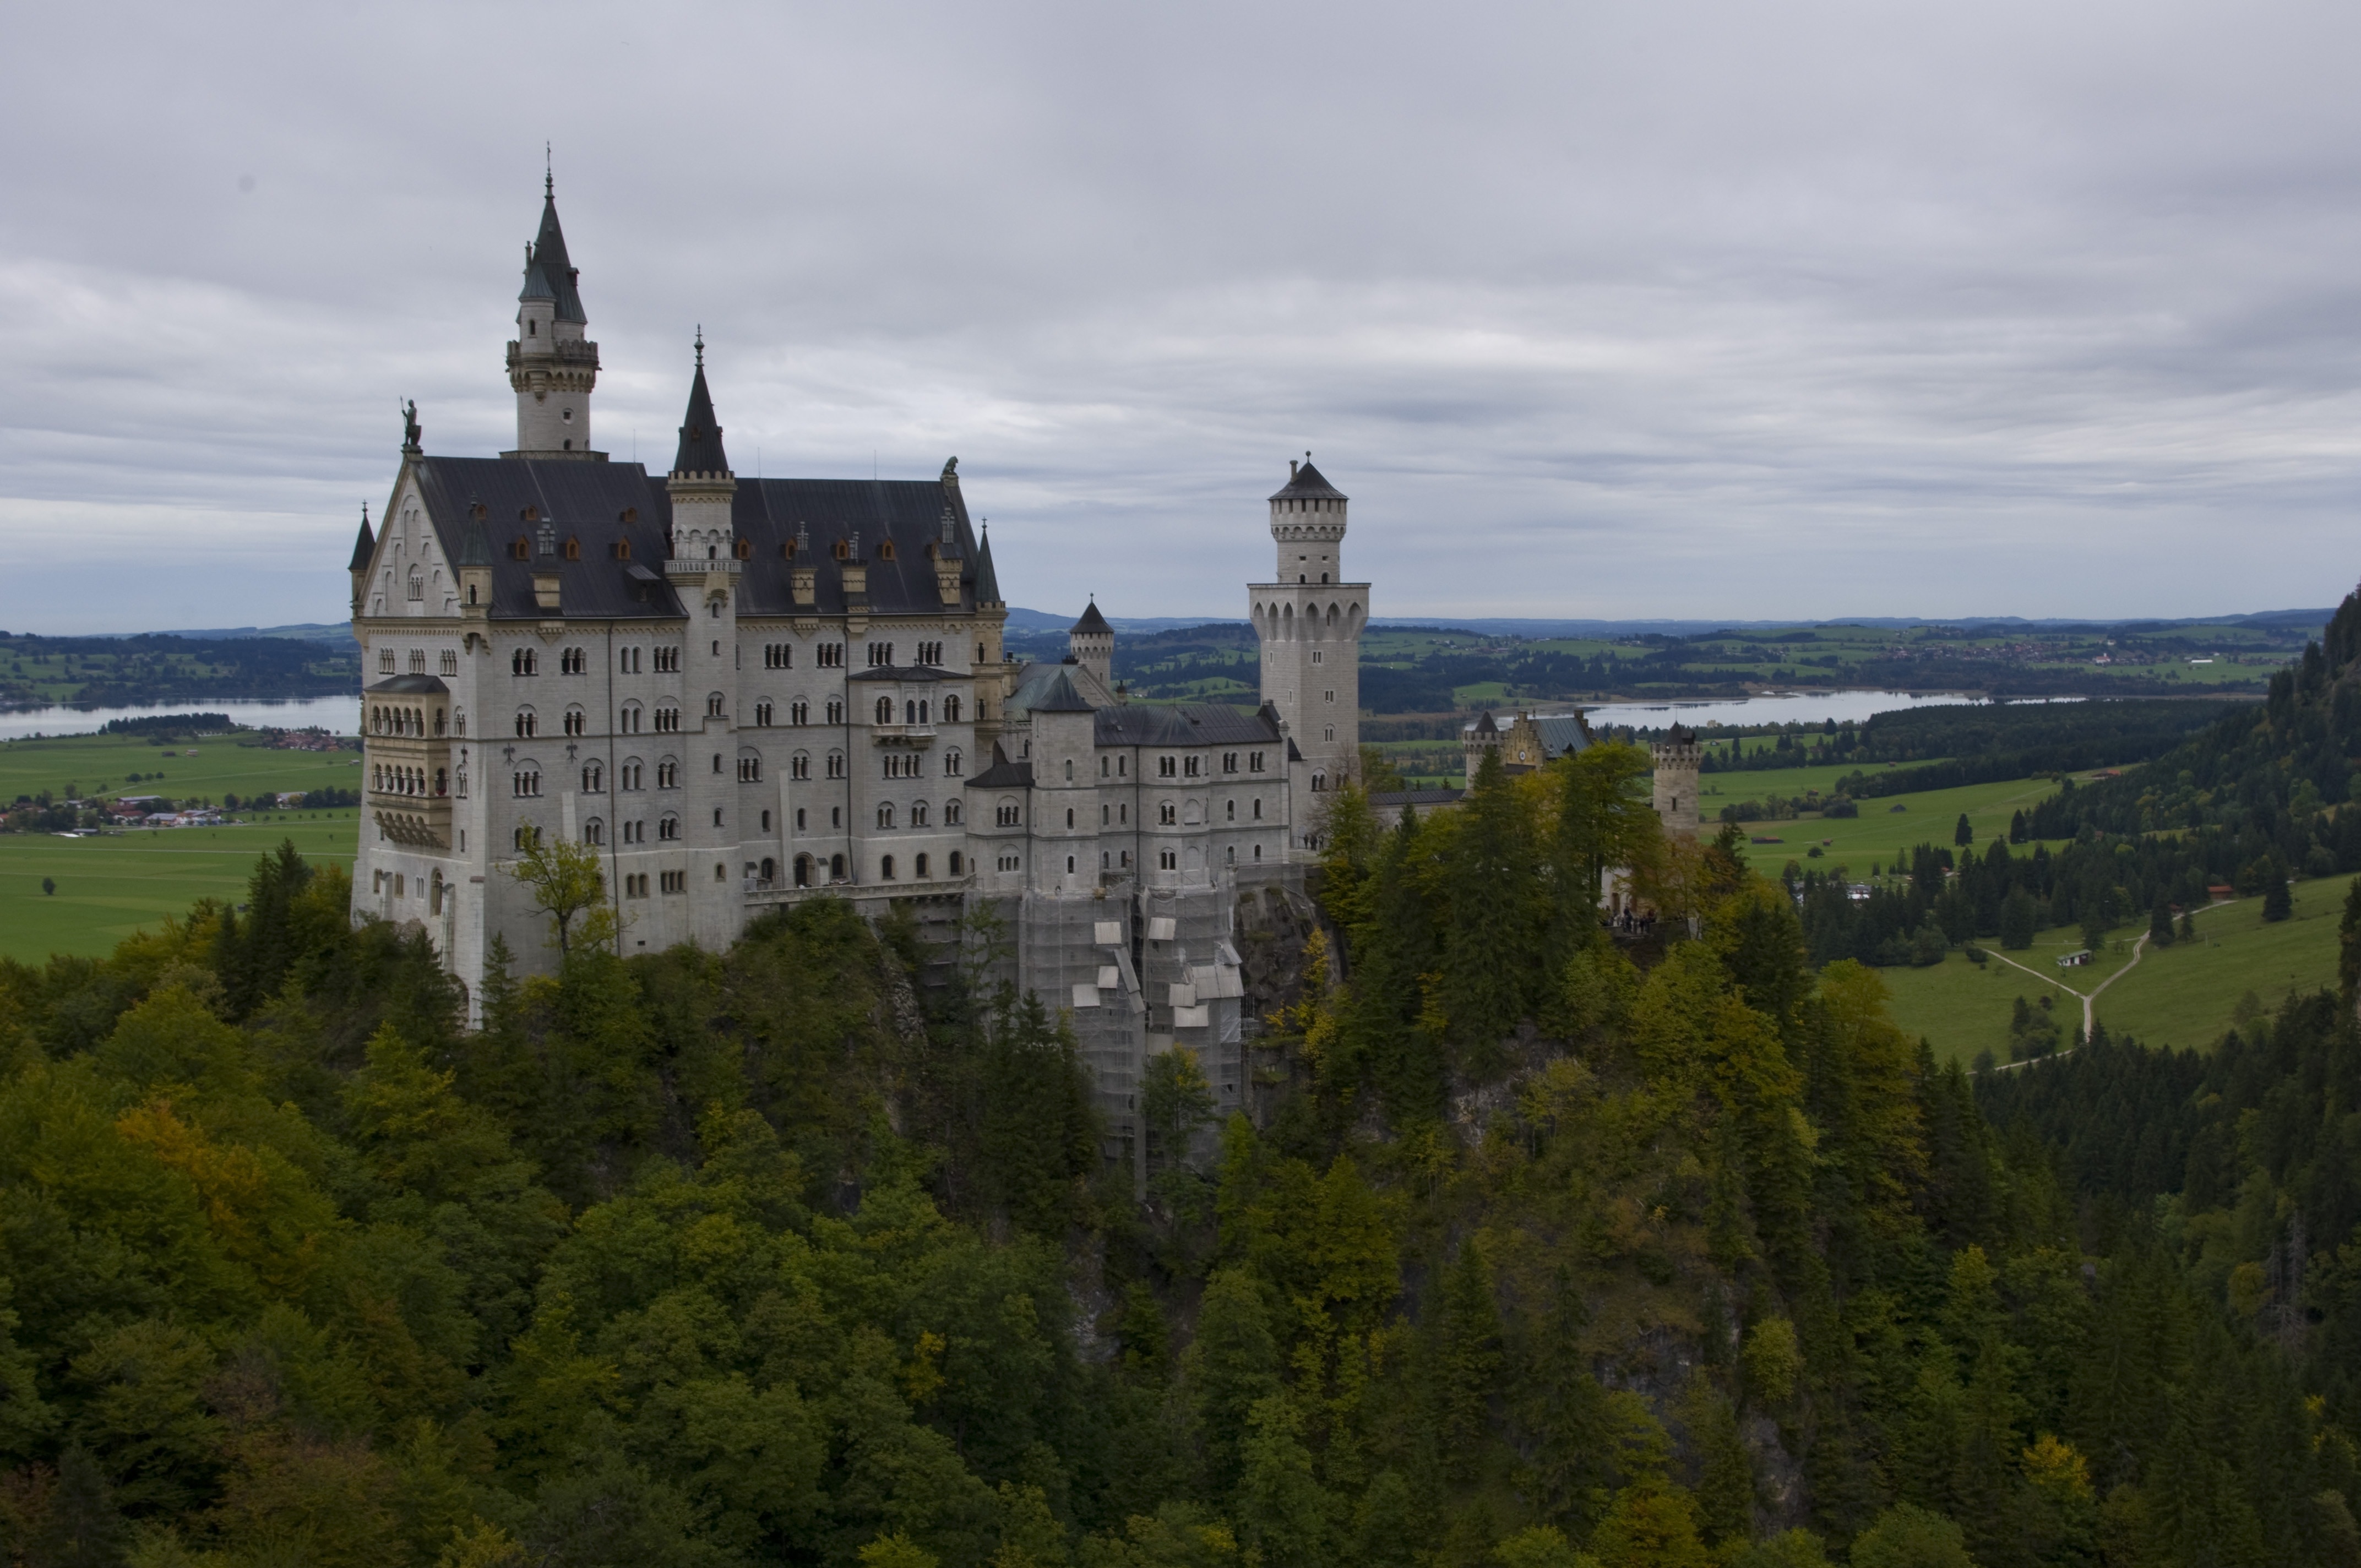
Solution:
(701, 433)
(987, 581)
(1093, 624)
(549, 274)
(475, 544)
(365, 547)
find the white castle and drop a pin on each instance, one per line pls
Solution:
(745, 693)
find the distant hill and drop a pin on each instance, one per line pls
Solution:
(303, 631)
(1032, 620)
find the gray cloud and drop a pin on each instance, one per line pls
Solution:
(1642, 309)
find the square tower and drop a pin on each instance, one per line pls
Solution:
(1309, 621)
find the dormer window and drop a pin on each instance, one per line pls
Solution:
(521, 549)
(843, 551)
(529, 514)
(631, 514)
(885, 550)
(745, 550)
(573, 548)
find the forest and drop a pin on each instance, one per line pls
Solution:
(1543, 1246)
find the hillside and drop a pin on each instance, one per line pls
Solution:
(1539, 1249)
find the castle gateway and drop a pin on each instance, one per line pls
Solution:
(748, 693)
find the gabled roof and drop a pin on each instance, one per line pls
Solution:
(1306, 481)
(548, 274)
(1059, 697)
(1182, 724)
(603, 505)
(1093, 624)
(365, 547)
(1561, 733)
(701, 433)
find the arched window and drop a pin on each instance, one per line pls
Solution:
(886, 814)
(594, 831)
(951, 709)
(417, 584)
(956, 859)
(669, 827)
(886, 869)
(594, 779)
(576, 722)
(799, 712)
(884, 710)
(952, 764)
(803, 870)
(527, 722)
(836, 867)
(919, 814)
(953, 814)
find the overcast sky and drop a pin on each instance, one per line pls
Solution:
(1654, 309)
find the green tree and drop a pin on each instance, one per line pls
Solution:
(49, 884)
(1491, 947)
(81, 1527)
(1651, 1524)
(2278, 899)
(1228, 1369)
(2019, 914)
(567, 883)
(2159, 923)
(1964, 834)
(1282, 1506)
(1908, 1536)
(1179, 1100)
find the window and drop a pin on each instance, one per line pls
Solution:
(526, 782)
(766, 822)
(1257, 808)
(527, 722)
(449, 662)
(1329, 733)
(1010, 863)
(799, 712)
(1328, 696)
(1230, 855)
(628, 721)
(1106, 766)
(836, 710)
(886, 814)
(1010, 814)
(576, 722)
(636, 832)
(458, 721)
(673, 882)
(385, 661)
(627, 662)
(716, 705)
(799, 766)
(594, 831)
(573, 662)
(1070, 817)
(1122, 767)
(1168, 860)
(1319, 783)
(1106, 816)
(830, 655)
(418, 661)
(717, 817)
(635, 886)
(593, 780)
(778, 655)
(1317, 657)
(920, 871)
(955, 863)
(1168, 814)
(836, 769)
(1166, 767)
(1254, 762)
(669, 775)
(1192, 768)
(1069, 772)
(1229, 762)
(884, 710)
(886, 869)
(1229, 811)
(750, 768)
(417, 584)
(667, 720)
(799, 819)
(952, 764)
(881, 655)
(631, 775)
(667, 659)
(761, 715)
(930, 653)
(524, 661)
(953, 814)
(668, 828)
(1070, 866)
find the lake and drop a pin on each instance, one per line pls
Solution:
(337, 715)
(1779, 707)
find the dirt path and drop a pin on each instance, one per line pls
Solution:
(2091, 997)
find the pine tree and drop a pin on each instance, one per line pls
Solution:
(2278, 899)
(1230, 1369)
(81, 1528)
(1491, 949)
(1963, 835)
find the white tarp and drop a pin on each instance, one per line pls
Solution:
(1162, 927)
(1086, 996)
(1110, 976)
(1107, 933)
(1192, 1017)
(1181, 995)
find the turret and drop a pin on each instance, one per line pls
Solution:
(700, 484)
(1307, 524)
(364, 551)
(552, 366)
(1478, 738)
(1091, 643)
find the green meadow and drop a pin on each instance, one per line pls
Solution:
(2185, 996)
(1881, 833)
(111, 886)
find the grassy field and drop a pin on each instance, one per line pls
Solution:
(93, 764)
(2182, 996)
(109, 887)
(1880, 834)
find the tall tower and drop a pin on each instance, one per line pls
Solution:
(703, 568)
(552, 366)
(1309, 621)
(1678, 758)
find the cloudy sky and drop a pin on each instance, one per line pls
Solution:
(1651, 308)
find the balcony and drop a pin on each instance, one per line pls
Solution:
(903, 734)
(711, 566)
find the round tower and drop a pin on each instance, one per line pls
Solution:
(552, 366)
(1309, 621)
(1678, 757)
(1091, 643)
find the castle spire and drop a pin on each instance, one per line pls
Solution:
(553, 368)
(701, 433)
(366, 546)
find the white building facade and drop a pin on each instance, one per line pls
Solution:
(749, 693)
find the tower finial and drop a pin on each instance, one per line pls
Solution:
(549, 173)
(700, 346)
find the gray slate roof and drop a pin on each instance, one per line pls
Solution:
(548, 273)
(701, 433)
(1059, 697)
(365, 547)
(1395, 799)
(1003, 773)
(407, 685)
(1308, 482)
(601, 505)
(1091, 623)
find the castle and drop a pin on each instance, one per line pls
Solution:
(743, 694)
